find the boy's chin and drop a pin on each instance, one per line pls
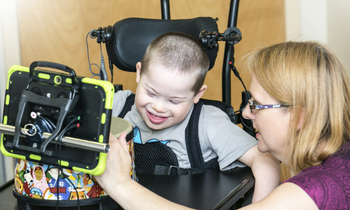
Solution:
(156, 127)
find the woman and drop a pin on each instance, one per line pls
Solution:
(300, 106)
(309, 128)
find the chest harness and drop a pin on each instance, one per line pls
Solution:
(155, 157)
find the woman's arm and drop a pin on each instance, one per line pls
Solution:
(117, 182)
(266, 170)
(131, 195)
(287, 196)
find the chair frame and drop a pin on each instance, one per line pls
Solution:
(229, 48)
(226, 68)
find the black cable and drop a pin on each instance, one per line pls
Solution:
(69, 126)
(60, 171)
(88, 57)
(230, 63)
(58, 157)
(111, 69)
(76, 191)
(112, 76)
(103, 72)
(58, 178)
(240, 111)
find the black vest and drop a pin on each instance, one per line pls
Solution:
(157, 158)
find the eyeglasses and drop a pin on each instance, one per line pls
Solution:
(253, 105)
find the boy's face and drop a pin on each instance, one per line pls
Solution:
(163, 96)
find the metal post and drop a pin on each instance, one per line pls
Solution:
(229, 52)
(165, 9)
(66, 141)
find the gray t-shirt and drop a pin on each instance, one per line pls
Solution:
(218, 136)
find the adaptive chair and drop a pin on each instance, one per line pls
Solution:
(137, 34)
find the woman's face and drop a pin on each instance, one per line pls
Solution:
(272, 124)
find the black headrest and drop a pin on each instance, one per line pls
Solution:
(131, 37)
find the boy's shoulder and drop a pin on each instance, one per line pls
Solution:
(213, 113)
(122, 94)
(213, 121)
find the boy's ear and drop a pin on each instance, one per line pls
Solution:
(199, 94)
(138, 72)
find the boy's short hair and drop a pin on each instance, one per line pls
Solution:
(178, 51)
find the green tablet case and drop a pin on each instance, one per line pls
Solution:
(36, 91)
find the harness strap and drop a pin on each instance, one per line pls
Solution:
(127, 106)
(192, 140)
(175, 170)
(192, 143)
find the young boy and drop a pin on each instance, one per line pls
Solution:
(170, 81)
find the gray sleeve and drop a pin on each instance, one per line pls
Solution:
(119, 100)
(222, 138)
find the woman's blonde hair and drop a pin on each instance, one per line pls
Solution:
(311, 79)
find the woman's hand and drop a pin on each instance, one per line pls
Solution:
(118, 164)
(116, 180)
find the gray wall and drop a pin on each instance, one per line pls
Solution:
(338, 20)
(325, 21)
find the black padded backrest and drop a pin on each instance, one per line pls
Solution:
(131, 37)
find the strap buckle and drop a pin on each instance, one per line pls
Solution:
(175, 167)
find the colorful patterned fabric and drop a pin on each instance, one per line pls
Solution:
(47, 182)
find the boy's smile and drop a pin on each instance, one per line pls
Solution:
(164, 96)
(155, 119)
